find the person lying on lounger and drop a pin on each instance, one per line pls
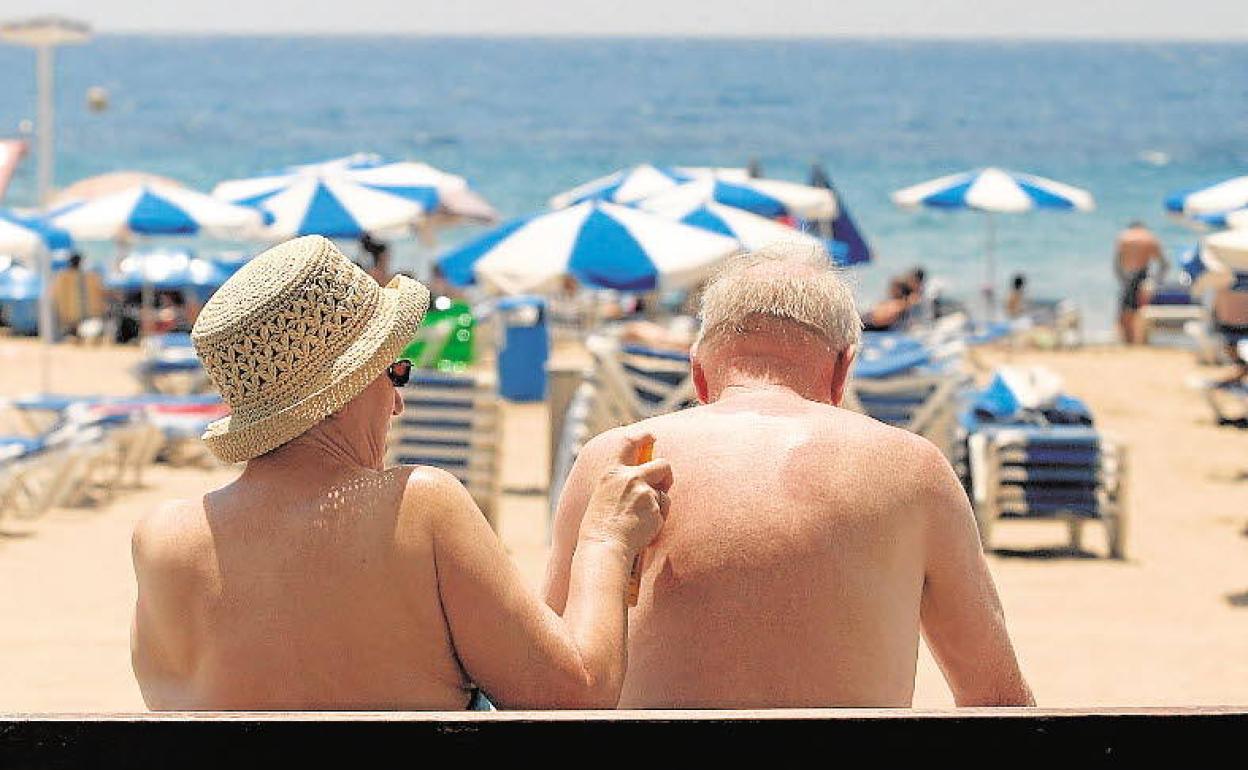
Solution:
(806, 545)
(320, 580)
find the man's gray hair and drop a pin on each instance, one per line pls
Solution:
(788, 281)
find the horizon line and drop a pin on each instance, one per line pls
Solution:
(685, 37)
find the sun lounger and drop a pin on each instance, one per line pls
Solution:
(1043, 463)
(899, 380)
(170, 365)
(642, 382)
(452, 422)
(1172, 308)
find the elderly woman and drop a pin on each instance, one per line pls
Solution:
(320, 579)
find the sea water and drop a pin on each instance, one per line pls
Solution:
(526, 118)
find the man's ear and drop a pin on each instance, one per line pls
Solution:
(699, 381)
(841, 365)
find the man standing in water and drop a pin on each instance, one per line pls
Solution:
(1134, 251)
(807, 545)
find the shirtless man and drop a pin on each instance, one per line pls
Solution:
(806, 545)
(1135, 249)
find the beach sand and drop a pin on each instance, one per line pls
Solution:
(1167, 626)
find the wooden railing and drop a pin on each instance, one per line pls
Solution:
(1004, 738)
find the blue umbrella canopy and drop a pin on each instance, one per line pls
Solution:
(600, 244)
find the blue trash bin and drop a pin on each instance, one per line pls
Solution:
(524, 349)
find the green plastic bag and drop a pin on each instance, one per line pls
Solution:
(444, 341)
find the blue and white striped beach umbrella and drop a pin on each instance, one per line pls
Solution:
(25, 236)
(1236, 219)
(748, 229)
(433, 189)
(602, 245)
(1219, 198)
(625, 186)
(150, 209)
(335, 207)
(770, 198)
(995, 191)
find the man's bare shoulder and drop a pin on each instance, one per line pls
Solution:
(906, 465)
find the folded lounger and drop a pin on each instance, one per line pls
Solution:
(1042, 462)
(170, 365)
(452, 422)
(642, 382)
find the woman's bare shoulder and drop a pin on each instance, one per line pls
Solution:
(172, 535)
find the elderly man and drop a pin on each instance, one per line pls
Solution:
(806, 545)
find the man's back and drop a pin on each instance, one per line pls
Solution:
(1137, 246)
(784, 575)
(793, 565)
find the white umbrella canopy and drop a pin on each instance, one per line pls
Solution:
(1229, 247)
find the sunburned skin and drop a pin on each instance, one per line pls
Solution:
(318, 580)
(805, 548)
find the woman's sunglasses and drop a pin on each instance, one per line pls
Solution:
(399, 372)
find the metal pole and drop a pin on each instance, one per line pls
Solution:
(45, 160)
(990, 289)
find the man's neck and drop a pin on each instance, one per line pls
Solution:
(739, 388)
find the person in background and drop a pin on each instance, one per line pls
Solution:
(79, 298)
(438, 285)
(1230, 318)
(379, 251)
(1134, 252)
(1016, 302)
(892, 313)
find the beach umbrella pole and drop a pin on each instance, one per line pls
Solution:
(47, 333)
(990, 286)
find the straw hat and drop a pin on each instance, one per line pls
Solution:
(294, 336)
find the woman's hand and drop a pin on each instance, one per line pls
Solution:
(629, 502)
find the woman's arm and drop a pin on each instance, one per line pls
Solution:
(511, 644)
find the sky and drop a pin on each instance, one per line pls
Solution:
(1047, 19)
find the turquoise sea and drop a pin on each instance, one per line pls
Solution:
(525, 118)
